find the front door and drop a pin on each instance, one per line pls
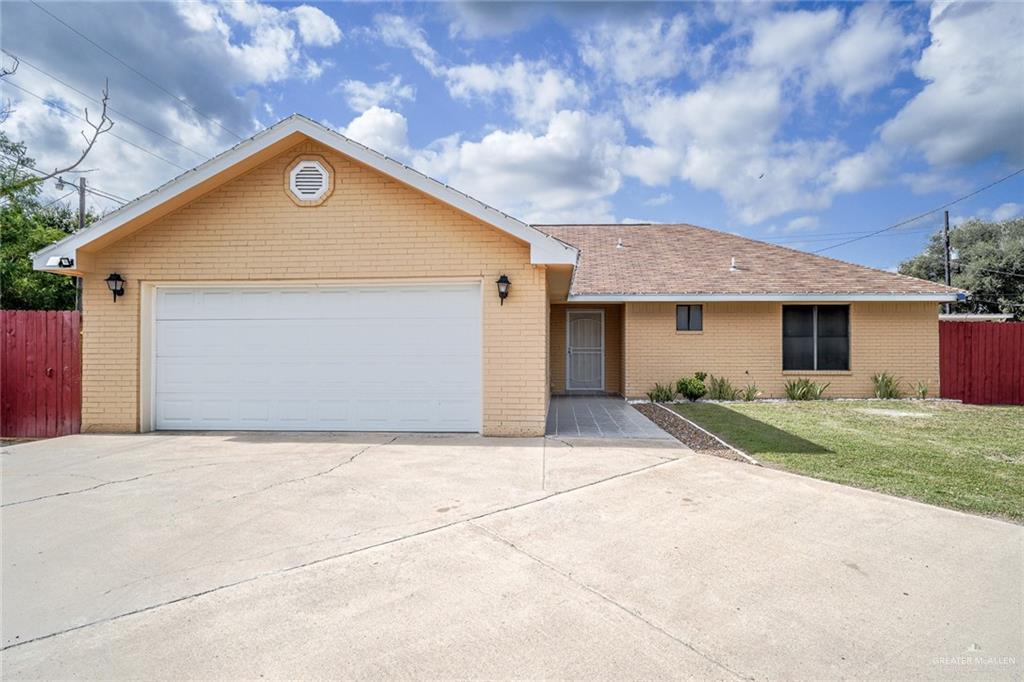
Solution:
(585, 350)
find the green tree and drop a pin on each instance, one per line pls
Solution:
(26, 226)
(987, 261)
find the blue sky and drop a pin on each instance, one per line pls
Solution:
(802, 124)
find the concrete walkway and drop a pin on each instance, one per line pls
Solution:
(599, 417)
(370, 556)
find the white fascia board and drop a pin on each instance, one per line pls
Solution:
(783, 298)
(544, 249)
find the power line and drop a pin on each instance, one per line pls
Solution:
(998, 272)
(49, 204)
(926, 213)
(819, 237)
(90, 97)
(106, 195)
(91, 190)
(133, 69)
(50, 103)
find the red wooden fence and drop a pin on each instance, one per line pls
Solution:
(40, 373)
(982, 362)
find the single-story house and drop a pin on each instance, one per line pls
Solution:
(301, 281)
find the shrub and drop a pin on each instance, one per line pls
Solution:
(886, 386)
(693, 387)
(804, 389)
(922, 389)
(661, 394)
(750, 392)
(720, 388)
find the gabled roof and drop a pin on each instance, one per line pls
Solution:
(685, 262)
(543, 248)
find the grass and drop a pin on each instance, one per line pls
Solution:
(967, 457)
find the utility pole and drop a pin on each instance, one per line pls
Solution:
(81, 225)
(945, 242)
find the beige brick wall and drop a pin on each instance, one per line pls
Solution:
(371, 228)
(743, 342)
(612, 346)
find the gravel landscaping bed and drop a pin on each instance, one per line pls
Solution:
(685, 433)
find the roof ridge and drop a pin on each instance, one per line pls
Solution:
(759, 242)
(816, 255)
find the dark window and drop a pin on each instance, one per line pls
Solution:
(797, 337)
(689, 318)
(815, 337)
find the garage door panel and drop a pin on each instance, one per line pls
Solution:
(190, 375)
(334, 413)
(217, 410)
(254, 411)
(176, 411)
(328, 357)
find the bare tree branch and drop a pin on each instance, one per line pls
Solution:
(5, 71)
(8, 70)
(103, 125)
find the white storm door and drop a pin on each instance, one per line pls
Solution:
(585, 350)
(318, 358)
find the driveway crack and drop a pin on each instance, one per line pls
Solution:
(635, 613)
(106, 483)
(326, 471)
(339, 555)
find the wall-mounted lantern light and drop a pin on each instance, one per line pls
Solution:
(116, 285)
(503, 285)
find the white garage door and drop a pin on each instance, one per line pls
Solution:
(318, 358)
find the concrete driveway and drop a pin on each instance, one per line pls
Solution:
(381, 556)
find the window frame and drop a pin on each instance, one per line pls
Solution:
(814, 336)
(689, 329)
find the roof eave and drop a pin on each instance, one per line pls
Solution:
(769, 297)
(544, 249)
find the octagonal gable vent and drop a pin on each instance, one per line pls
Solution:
(308, 181)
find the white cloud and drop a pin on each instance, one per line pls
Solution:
(564, 174)
(865, 169)
(535, 89)
(731, 133)
(855, 55)
(315, 27)
(360, 95)
(792, 39)
(866, 55)
(55, 138)
(724, 137)
(659, 200)
(654, 166)
(805, 223)
(973, 102)
(273, 51)
(930, 182)
(381, 129)
(397, 31)
(1007, 211)
(245, 44)
(654, 48)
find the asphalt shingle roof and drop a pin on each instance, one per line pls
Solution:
(685, 259)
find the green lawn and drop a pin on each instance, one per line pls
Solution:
(967, 457)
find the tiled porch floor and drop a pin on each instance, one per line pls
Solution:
(598, 417)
